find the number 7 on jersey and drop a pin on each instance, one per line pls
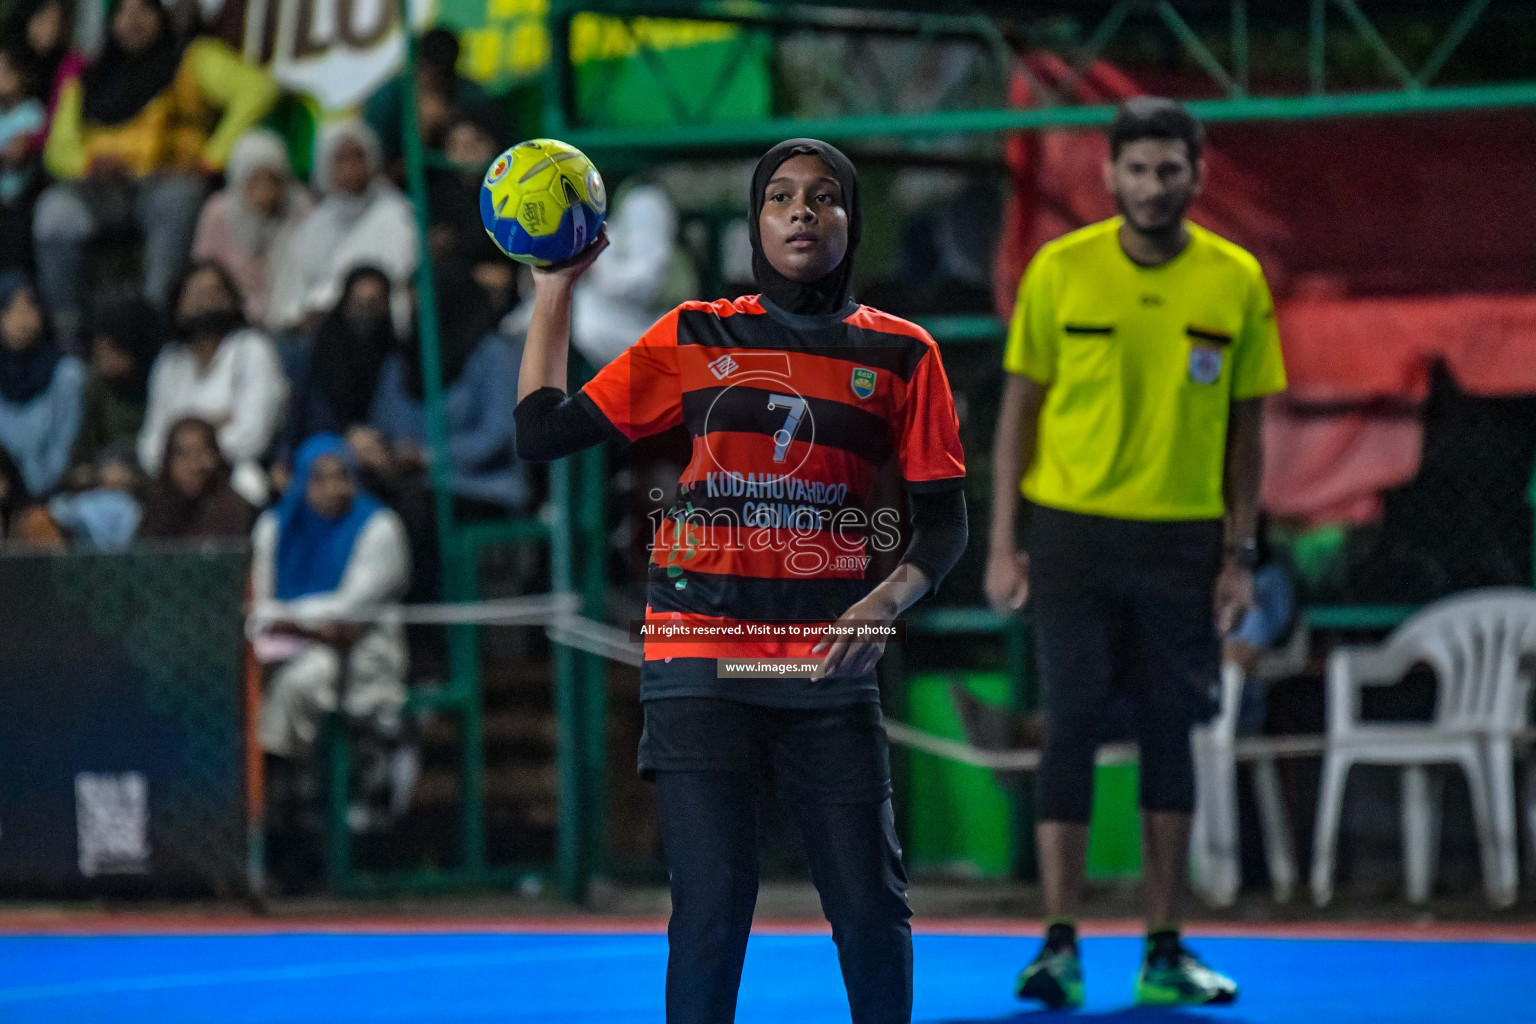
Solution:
(781, 437)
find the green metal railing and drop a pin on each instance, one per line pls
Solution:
(578, 681)
(763, 133)
(1410, 92)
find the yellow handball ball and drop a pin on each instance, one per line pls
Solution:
(542, 202)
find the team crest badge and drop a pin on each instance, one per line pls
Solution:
(863, 382)
(1204, 364)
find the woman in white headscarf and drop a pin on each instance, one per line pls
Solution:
(247, 226)
(362, 220)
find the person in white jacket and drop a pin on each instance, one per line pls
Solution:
(219, 370)
(631, 287)
(362, 220)
(328, 553)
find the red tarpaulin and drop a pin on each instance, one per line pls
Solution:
(1390, 244)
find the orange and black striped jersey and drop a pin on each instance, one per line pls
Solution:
(791, 419)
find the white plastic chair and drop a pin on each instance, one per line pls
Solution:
(1530, 799)
(1476, 644)
(1214, 854)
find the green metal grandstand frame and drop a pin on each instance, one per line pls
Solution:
(1215, 37)
(1407, 90)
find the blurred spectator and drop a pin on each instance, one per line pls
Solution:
(479, 377)
(362, 220)
(1266, 626)
(946, 252)
(21, 126)
(247, 226)
(192, 498)
(333, 391)
(440, 89)
(187, 19)
(130, 144)
(106, 514)
(43, 28)
(40, 388)
(125, 338)
(1268, 622)
(328, 549)
(643, 274)
(21, 121)
(218, 369)
(457, 236)
(13, 495)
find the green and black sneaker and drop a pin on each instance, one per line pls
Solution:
(1055, 978)
(1173, 976)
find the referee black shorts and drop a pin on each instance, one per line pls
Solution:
(1123, 612)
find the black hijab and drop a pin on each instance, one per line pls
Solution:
(45, 65)
(134, 327)
(830, 293)
(347, 357)
(465, 318)
(118, 84)
(26, 374)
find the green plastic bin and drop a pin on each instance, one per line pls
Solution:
(960, 821)
(1114, 834)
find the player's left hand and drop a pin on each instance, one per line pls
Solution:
(847, 657)
(1234, 596)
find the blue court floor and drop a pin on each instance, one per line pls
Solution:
(438, 978)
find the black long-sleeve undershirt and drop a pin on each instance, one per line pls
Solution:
(939, 531)
(551, 425)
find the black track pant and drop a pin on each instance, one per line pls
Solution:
(830, 767)
(1123, 610)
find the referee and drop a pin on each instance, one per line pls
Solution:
(1139, 353)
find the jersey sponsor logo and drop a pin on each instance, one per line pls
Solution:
(1205, 364)
(723, 367)
(863, 382)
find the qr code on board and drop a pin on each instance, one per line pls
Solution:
(112, 822)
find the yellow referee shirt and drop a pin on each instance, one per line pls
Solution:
(1142, 365)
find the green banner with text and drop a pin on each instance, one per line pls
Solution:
(629, 72)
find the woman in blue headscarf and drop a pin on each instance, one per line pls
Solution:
(327, 552)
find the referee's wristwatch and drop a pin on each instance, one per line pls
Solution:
(1244, 553)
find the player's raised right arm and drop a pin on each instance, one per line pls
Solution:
(548, 344)
(548, 423)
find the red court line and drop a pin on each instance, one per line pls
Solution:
(63, 923)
